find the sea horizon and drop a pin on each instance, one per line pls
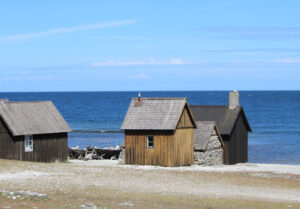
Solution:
(96, 117)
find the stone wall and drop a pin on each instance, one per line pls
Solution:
(122, 156)
(213, 155)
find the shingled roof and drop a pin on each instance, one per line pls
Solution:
(29, 118)
(224, 117)
(203, 133)
(155, 114)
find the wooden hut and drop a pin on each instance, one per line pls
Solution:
(159, 131)
(208, 144)
(233, 125)
(32, 131)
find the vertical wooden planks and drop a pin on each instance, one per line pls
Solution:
(169, 149)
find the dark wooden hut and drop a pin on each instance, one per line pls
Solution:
(32, 131)
(233, 125)
(159, 131)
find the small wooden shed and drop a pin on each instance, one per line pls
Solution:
(208, 144)
(32, 131)
(159, 131)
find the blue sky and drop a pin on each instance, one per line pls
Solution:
(149, 45)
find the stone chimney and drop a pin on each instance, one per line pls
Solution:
(234, 99)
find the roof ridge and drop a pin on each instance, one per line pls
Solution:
(206, 121)
(161, 98)
(43, 101)
(213, 106)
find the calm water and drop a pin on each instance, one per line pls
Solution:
(97, 116)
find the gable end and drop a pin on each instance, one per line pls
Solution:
(186, 120)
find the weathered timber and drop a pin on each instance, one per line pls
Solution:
(171, 127)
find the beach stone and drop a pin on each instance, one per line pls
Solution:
(32, 194)
(89, 205)
(126, 204)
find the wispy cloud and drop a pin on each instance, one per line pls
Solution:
(55, 31)
(249, 50)
(151, 61)
(270, 61)
(286, 61)
(139, 76)
(254, 32)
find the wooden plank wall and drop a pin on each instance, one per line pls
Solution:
(184, 147)
(237, 144)
(137, 152)
(185, 120)
(46, 147)
(169, 149)
(6, 143)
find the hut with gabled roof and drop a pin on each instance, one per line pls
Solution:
(32, 131)
(159, 131)
(208, 144)
(233, 125)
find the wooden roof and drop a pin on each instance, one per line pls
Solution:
(224, 117)
(155, 114)
(28, 118)
(203, 133)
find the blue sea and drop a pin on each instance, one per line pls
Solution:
(96, 117)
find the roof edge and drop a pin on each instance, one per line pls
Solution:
(160, 98)
(241, 111)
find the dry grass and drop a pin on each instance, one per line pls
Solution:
(69, 185)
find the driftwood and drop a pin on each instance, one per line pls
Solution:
(108, 153)
(114, 157)
(91, 153)
(75, 153)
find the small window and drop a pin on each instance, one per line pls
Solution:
(150, 141)
(28, 143)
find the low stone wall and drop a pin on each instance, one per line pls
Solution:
(209, 157)
(213, 155)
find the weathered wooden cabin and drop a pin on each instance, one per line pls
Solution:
(159, 131)
(233, 125)
(208, 144)
(32, 131)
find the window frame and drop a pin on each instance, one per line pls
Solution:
(28, 147)
(150, 147)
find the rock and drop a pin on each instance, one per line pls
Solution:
(125, 204)
(89, 205)
(32, 194)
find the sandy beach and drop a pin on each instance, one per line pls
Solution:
(108, 184)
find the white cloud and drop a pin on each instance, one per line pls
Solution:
(139, 76)
(176, 61)
(55, 31)
(151, 61)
